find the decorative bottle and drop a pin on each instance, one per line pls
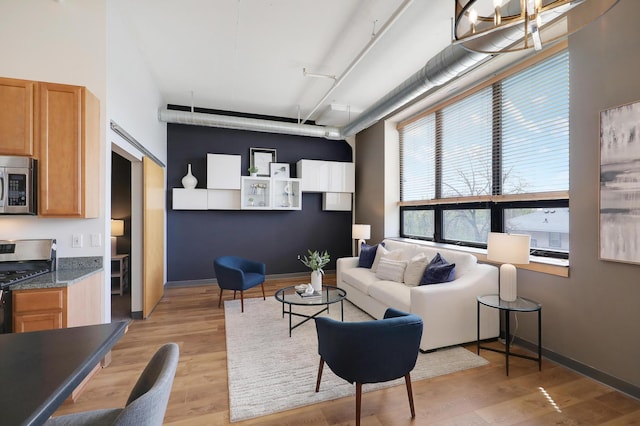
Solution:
(189, 181)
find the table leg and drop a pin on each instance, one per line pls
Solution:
(342, 310)
(507, 339)
(478, 329)
(290, 320)
(540, 339)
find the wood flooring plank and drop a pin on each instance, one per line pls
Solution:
(190, 317)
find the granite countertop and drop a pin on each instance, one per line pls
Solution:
(69, 272)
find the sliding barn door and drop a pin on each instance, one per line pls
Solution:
(153, 239)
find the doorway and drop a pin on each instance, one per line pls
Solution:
(121, 265)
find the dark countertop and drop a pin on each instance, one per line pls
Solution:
(59, 278)
(40, 369)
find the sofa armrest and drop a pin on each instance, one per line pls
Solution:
(343, 264)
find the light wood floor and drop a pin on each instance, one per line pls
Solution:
(480, 396)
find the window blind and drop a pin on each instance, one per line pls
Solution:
(417, 157)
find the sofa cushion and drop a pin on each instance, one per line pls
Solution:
(392, 294)
(359, 278)
(382, 252)
(391, 270)
(415, 269)
(438, 271)
(368, 255)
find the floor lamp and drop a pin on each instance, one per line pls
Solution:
(360, 233)
(117, 230)
(508, 249)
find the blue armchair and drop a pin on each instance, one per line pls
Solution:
(238, 274)
(370, 351)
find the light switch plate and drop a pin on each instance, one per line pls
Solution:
(76, 241)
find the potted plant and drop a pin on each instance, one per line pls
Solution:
(253, 170)
(316, 261)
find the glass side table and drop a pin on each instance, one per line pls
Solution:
(519, 305)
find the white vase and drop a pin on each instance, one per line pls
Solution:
(189, 181)
(316, 281)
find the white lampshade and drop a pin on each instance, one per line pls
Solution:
(508, 249)
(360, 232)
(117, 227)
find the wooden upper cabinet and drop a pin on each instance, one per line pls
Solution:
(16, 117)
(68, 120)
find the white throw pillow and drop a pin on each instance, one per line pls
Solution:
(415, 269)
(391, 270)
(382, 252)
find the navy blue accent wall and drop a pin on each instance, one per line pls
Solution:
(195, 238)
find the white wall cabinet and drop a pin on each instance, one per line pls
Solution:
(189, 199)
(223, 171)
(326, 176)
(336, 201)
(286, 194)
(263, 193)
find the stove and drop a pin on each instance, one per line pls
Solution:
(19, 261)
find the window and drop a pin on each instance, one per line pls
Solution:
(495, 159)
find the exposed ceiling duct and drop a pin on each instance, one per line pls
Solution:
(253, 124)
(448, 64)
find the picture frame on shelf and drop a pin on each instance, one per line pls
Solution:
(260, 158)
(619, 183)
(279, 170)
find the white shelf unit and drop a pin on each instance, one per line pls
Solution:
(223, 171)
(255, 193)
(326, 176)
(286, 194)
(336, 201)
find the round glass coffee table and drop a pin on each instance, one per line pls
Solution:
(328, 296)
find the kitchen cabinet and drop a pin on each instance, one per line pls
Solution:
(326, 176)
(68, 151)
(58, 307)
(17, 118)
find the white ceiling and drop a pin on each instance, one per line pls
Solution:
(248, 55)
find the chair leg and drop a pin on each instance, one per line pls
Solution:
(234, 295)
(220, 298)
(358, 402)
(242, 300)
(320, 367)
(407, 380)
(263, 296)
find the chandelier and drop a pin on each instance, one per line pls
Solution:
(493, 26)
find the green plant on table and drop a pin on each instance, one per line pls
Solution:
(315, 260)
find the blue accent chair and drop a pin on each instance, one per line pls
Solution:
(370, 351)
(238, 274)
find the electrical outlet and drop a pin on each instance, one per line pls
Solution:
(76, 240)
(96, 240)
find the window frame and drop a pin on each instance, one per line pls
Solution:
(496, 203)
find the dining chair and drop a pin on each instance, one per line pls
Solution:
(238, 274)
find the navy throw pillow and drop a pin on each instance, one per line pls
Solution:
(367, 255)
(438, 271)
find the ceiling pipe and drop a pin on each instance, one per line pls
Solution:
(252, 124)
(448, 64)
(372, 42)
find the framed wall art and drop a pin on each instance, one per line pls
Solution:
(279, 170)
(620, 183)
(261, 158)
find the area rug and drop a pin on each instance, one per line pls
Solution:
(271, 372)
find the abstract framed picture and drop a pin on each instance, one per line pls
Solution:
(279, 170)
(261, 158)
(620, 183)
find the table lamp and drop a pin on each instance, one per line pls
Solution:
(360, 233)
(117, 230)
(508, 249)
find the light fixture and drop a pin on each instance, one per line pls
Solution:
(117, 230)
(361, 233)
(493, 26)
(508, 249)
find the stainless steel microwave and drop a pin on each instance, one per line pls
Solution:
(17, 185)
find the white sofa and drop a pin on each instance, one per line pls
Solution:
(449, 310)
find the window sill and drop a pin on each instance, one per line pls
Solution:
(545, 265)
